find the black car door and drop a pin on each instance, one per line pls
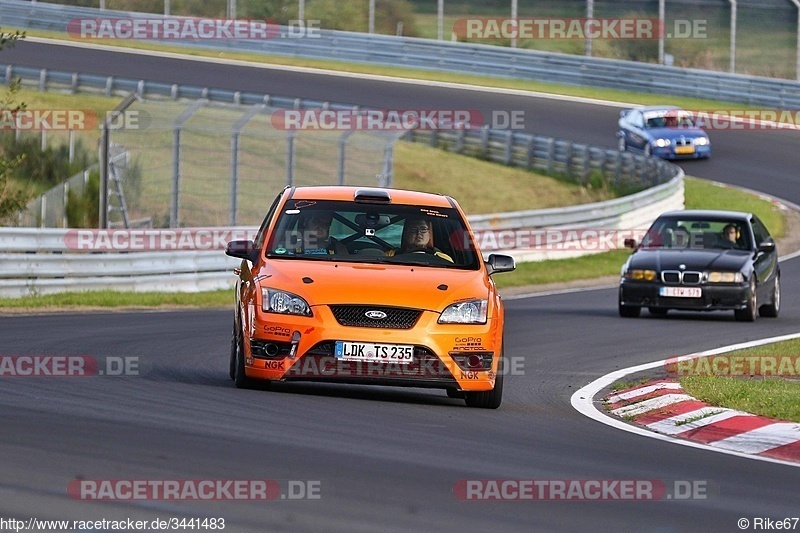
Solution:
(766, 262)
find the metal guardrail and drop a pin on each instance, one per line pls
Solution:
(462, 58)
(45, 261)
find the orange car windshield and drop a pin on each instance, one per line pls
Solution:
(368, 233)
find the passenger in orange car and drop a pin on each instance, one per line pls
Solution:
(418, 238)
(315, 228)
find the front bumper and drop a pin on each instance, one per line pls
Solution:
(668, 152)
(717, 297)
(456, 356)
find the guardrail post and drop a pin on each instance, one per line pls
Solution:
(44, 139)
(551, 148)
(509, 147)
(460, 133)
(43, 80)
(43, 212)
(9, 73)
(529, 152)
(586, 155)
(485, 142)
(173, 92)
(568, 159)
(71, 145)
(109, 85)
(74, 86)
(434, 140)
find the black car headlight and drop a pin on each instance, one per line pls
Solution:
(637, 274)
(284, 303)
(724, 277)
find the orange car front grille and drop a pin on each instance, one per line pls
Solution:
(370, 316)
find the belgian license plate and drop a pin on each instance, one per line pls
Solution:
(681, 292)
(374, 353)
(683, 150)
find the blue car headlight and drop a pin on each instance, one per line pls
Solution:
(701, 141)
(662, 143)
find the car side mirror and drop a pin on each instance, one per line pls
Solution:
(630, 243)
(767, 246)
(244, 249)
(500, 263)
(624, 113)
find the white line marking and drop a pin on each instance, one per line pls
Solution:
(678, 424)
(583, 402)
(642, 391)
(761, 439)
(651, 404)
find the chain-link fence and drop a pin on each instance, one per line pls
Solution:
(212, 164)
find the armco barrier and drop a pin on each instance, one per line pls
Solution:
(45, 261)
(460, 57)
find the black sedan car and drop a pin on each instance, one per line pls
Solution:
(703, 261)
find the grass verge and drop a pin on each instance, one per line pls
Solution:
(773, 397)
(115, 299)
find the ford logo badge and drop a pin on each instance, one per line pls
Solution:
(375, 315)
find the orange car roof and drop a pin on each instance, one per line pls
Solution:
(344, 193)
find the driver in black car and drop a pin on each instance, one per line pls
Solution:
(729, 234)
(418, 238)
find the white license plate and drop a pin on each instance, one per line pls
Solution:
(681, 292)
(374, 353)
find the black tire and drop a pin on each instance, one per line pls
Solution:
(232, 363)
(622, 144)
(772, 309)
(490, 399)
(657, 311)
(240, 379)
(748, 314)
(453, 393)
(629, 311)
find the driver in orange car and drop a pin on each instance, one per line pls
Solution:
(418, 238)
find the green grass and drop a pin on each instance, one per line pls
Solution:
(115, 299)
(767, 396)
(702, 194)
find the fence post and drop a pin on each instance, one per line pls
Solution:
(234, 177)
(71, 145)
(174, 210)
(388, 165)
(64, 222)
(103, 192)
(44, 139)
(342, 145)
(290, 158)
(43, 212)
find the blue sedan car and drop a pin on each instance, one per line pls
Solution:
(663, 131)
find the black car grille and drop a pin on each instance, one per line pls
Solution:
(356, 315)
(675, 277)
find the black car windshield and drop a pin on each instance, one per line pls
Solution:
(698, 234)
(328, 230)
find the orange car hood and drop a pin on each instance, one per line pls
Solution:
(358, 283)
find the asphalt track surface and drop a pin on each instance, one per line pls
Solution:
(387, 459)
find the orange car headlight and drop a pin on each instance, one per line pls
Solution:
(469, 312)
(284, 303)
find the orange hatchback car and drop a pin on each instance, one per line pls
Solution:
(369, 286)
